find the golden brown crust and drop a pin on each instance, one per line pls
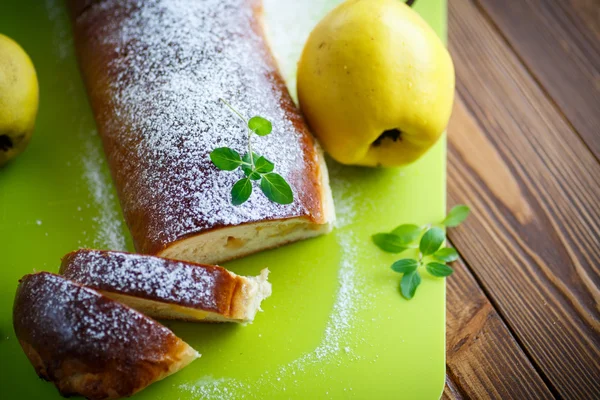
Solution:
(165, 198)
(87, 344)
(208, 288)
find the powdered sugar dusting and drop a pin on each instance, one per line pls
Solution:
(290, 25)
(146, 276)
(74, 319)
(338, 334)
(173, 61)
(107, 223)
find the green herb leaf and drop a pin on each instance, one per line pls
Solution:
(247, 166)
(276, 188)
(439, 270)
(260, 126)
(252, 175)
(446, 254)
(405, 265)
(263, 165)
(241, 191)
(225, 158)
(389, 242)
(409, 283)
(457, 215)
(431, 241)
(407, 232)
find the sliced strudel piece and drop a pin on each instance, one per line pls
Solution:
(89, 345)
(163, 288)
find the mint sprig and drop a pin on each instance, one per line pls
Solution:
(431, 255)
(254, 166)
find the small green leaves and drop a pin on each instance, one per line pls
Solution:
(247, 166)
(254, 166)
(264, 166)
(446, 254)
(389, 242)
(225, 158)
(241, 191)
(276, 188)
(407, 233)
(405, 265)
(260, 126)
(431, 241)
(438, 269)
(457, 215)
(431, 255)
(409, 283)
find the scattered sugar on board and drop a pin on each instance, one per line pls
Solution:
(107, 223)
(288, 24)
(338, 334)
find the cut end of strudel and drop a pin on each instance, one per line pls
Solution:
(155, 71)
(89, 345)
(169, 289)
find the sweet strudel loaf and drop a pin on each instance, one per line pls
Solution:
(155, 71)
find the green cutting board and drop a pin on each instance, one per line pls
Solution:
(335, 326)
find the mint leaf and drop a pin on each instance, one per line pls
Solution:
(225, 158)
(407, 232)
(457, 215)
(247, 166)
(409, 283)
(389, 242)
(439, 270)
(276, 188)
(446, 254)
(431, 241)
(405, 265)
(260, 126)
(263, 165)
(241, 191)
(252, 174)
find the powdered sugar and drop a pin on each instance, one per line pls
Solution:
(339, 334)
(172, 61)
(290, 23)
(146, 276)
(107, 222)
(68, 318)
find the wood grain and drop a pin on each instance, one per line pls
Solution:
(483, 358)
(451, 391)
(587, 10)
(560, 47)
(542, 276)
(481, 156)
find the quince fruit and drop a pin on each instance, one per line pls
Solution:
(19, 95)
(375, 83)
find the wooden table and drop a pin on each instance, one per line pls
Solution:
(523, 152)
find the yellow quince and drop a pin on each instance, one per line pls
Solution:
(375, 83)
(18, 99)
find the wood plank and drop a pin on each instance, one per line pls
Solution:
(483, 358)
(587, 10)
(542, 274)
(451, 391)
(562, 51)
